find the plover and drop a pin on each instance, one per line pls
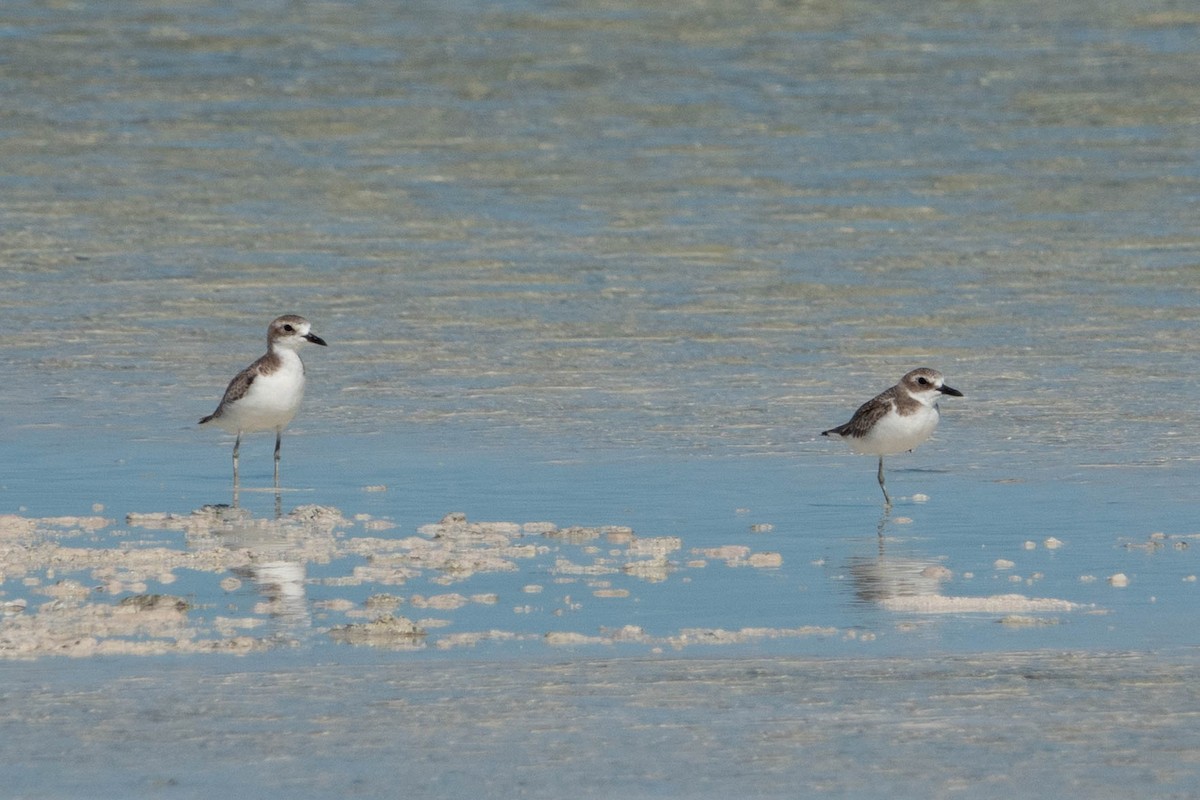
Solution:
(265, 395)
(896, 420)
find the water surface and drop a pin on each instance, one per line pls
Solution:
(612, 266)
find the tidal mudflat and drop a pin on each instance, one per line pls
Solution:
(658, 580)
(556, 517)
(1023, 724)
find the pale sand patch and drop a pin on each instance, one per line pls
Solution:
(995, 604)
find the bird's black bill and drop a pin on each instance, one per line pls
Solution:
(943, 390)
(312, 337)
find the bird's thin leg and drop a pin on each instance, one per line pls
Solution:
(879, 529)
(278, 438)
(278, 497)
(886, 500)
(237, 443)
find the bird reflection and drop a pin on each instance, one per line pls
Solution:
(276, 491)
(273, 555)
(282, 585)
(882, 577)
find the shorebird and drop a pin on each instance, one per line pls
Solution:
(265, 395)
(896, 420)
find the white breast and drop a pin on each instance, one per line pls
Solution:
(272, 400)
(897, 434)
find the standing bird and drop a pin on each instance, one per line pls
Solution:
(265, 395)
(896, 420)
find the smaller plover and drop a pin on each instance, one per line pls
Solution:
(896, 420)
(265, 395)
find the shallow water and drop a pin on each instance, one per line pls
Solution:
(612, 266)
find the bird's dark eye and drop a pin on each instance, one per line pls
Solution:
(290, 329)
(923, 381)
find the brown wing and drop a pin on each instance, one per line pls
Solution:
(237, 388)
(866, 416)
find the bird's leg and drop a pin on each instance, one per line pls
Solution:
(879, 529)
(278, 438)
(887, 501)
(278, 497)
(237, 443)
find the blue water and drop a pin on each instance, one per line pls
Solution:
(823, 511)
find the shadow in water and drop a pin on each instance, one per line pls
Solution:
(272, 555)
(237, 491)
(882, 576)
(912, 584)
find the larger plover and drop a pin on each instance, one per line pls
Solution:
(896, 420)
(265, 395)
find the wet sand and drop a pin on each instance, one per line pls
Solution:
(114, 600)
(1072, 725)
